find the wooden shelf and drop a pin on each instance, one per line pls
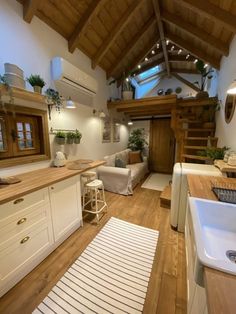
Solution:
(23, 94)
(195, 157)
(194, 102)
(224, 167)
(198, 138)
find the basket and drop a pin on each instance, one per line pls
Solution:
(14, 69)
(14, 80)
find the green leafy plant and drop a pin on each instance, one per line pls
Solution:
(77, 134)
(36, 80)
(200, 66)
(70, 135)
(54, 98)
(137, 140)
(213, 152)
(60, 134)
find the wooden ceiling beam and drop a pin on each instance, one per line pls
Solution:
(196, 32)
(130, 46)
(182, 70)
(150, 65)
(150, 113)
(116, 32)
(84, 21)
(211, 11)
(29, 9)
(193, 50)
(161, 31)
(181, 58)
(186, 82)
(146, 108)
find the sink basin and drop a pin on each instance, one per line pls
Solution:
(214, 225)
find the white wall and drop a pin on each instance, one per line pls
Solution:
(173, 83)
(31, 47)
(227, 74)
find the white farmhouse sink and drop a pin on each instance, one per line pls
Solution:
(214, 225)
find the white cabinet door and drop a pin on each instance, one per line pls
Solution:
(66, 207)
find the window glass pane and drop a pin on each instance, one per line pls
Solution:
(28, 136)
(28, 127)
(19, 126)
(21, 144)
(1, 136)
(29, 143)
(21, 135)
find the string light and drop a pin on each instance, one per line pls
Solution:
(134, 75)
(188, 55)
(158, 45)
(146, 59)
(179, 52)
(127, 79)
(172, 48)
(167, 42)
(139, 66)
(153, 52)
(205, 66)
(195, 61)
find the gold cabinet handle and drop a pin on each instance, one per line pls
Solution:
(25, 239)
(21, 221)
(19, 200)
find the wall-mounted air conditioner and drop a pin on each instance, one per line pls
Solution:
(72, 82)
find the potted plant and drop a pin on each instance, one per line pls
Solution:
(136, 140)
(77, 136)
(53, 98)
(36, 82)
(213, 153)
(127, 90)
(70, 137)
(205, 74)
(60, 137)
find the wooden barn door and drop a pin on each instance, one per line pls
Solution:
(162, 146)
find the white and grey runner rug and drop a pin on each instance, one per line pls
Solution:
(110, 276)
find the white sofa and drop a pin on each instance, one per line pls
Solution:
(122, 180)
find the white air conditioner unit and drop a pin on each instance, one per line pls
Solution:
(72, 82)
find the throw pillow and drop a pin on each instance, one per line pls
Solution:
(119, 163)
(135, 157)
(110, 160)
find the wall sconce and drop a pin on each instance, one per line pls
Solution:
(70, 104)
(232, 88)
(99, 113)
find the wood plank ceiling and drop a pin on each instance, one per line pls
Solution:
(119, 35)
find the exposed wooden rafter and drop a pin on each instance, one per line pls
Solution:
(213, 12)
(193, 50)
(186, 82)
(198, 33)
(115, 32)
(181, 58)
(183, 70)
(150, 65)
(29, 9)
(161, 31)
(131, 45)
(92, 11)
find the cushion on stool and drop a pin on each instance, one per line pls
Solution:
(94, 184)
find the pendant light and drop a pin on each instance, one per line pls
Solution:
(70, 104)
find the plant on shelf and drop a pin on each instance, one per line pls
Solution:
(127, 89)
(77, 136)
(205, 74)
(137, 140)
(213, 153)
(53, 98)
(70, 137)
(36, 82)
(60, 137)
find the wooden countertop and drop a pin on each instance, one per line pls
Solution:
(224, 167)
(220, 286)
(38, 179)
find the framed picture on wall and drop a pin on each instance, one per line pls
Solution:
(116, 130)
(106, 130)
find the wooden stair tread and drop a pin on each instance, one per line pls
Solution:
(165, 197)
(197, 130)
(195, 157)
(193, 138)
(195, 147)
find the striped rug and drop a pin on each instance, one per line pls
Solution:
(110, 276)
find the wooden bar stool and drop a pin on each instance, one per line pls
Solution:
(92, 189)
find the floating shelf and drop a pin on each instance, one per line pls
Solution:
(23, 94)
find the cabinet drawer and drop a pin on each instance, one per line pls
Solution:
(22, 220)
(20, 250)
(36, 198)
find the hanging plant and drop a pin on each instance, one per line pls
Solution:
(53, 98)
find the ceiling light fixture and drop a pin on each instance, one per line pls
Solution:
(172, 48)
(158, 45)
(188, 55)
(206, 65)
(179, 52)
(232, 88)
(130, 123)
(146, 59)
(139, 66)
(70, 104)
(102, 114)
(195, 61)
(127, 79)
(153, 52)
(167, 42)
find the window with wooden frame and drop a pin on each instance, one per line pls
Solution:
(23, 135)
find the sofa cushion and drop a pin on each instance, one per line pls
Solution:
(120, 163)
(135, 157)
(123, 155)
(110, 160)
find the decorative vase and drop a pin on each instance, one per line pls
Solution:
(77, 140)
(60, 140)
(127, 94)
(37, 89)
(69, 141)
(202, 94)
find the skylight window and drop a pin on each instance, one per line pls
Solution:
(150, 72)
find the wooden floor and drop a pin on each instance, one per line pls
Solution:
(167, 287)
